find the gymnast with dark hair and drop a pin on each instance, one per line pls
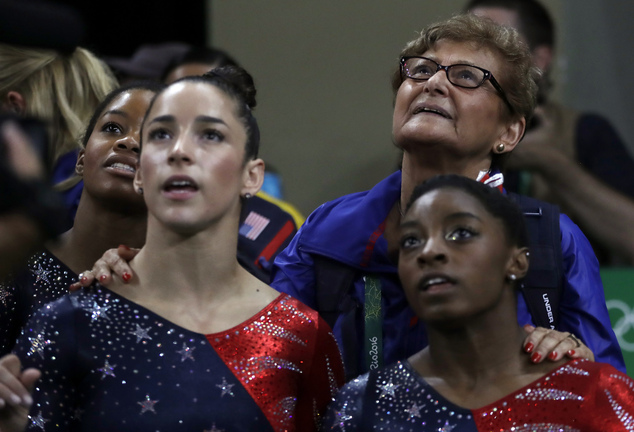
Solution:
(463, 250)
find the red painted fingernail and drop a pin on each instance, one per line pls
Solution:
(571, 353)
(552, 355)
(529, 347)
(536, 358)
(83, 279)
(124, 247)
(126, 276)
(102, 278)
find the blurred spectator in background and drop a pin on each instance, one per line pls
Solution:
(45, 74)
(148, 62)
(46, 87)
(196, 61)
(574, 159)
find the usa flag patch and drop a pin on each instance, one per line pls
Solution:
(253, 225)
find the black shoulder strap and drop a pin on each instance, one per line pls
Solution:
(333, 282)
(543, 285)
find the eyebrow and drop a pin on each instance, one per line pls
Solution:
(163, 119)
(115, 111)
(209, 119)
(457, 62)
(200, 119)
(452, 216)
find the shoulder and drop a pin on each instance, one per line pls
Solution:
(603, 386)
(573, 240)
(286, 307)
(285, 206)
(351, 218)
(593, 123)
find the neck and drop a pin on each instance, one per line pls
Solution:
(96, 229)
(418, 167)
(198, 267)
(481, 348)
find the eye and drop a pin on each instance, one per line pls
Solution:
(112, 127)
(467, 76)
(159, 134)
(409, 241)
(422, 71)
(213, 135)
(461, 234)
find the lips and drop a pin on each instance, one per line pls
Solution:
(180, 184)
(431, 109)
(123, 165)
(435, 282)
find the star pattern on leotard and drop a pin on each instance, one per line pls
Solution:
(225, 387)
(414, 410)
(97, 311)
(38, 344)
(41, 274)
(141, 333)
(38, 420)
(107, 370)
(447, 427)
(341, 418)
(186, 352)
(388, 389)
(147, 404)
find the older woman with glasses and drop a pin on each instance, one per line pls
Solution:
(464, 91)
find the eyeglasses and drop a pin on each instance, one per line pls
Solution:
(460, 75)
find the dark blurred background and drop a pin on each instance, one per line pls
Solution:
(118, 27)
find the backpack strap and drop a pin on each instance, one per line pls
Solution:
(543, 285)
(333, 282)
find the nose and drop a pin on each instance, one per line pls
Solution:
(129, 142)
(433, 251)
(438, 82)
(180, 151)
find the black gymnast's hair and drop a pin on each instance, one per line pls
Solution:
(495, 202)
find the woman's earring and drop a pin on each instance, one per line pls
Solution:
(247, 195)
(500, 147)
(140, 191)
(512, 277)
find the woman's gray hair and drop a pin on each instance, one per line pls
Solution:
(518, 76)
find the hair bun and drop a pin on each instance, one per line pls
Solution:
(239, 80)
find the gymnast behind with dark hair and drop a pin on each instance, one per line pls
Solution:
(195, 341)
(463, 250)
(109, 211)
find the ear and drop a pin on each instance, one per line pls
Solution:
(79, 165)
(511, 135)
(15, 102)
(543, 57)
(253, 177)
(518, 263)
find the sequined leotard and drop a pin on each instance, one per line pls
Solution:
(111, 365)
(44, 279)
(578, 396)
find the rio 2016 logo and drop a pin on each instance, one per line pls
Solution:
(623, 318)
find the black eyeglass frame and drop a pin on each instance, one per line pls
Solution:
(487, 76)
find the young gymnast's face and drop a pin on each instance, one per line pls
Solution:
(454, 257)
(192, 167)
(108, 163)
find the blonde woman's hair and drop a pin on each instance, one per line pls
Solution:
(62, 90)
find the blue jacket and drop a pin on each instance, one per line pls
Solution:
(342, 230)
